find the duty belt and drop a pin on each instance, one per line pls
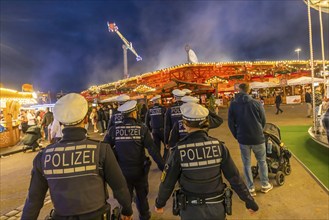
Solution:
(191, 200)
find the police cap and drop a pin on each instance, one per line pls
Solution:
(187, 91)
(122, 98)
(71, 109)
(178, 93)
(155, 98)
(194, 112)
(128, 107)
(190, 99)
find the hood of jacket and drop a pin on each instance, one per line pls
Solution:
(242, 97)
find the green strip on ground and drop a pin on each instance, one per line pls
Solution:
(312, 154)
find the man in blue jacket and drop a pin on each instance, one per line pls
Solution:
(246, 120)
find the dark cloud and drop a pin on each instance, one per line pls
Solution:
(65, 45)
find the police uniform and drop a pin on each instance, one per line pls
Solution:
(129, 140)
(154, 120)
(75, 170)
(197, 164)
(178, 131)
(117, 117)
(173, 115)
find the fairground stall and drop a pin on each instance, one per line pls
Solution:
(11, 102)
(217, 79)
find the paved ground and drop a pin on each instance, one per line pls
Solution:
(300, 197)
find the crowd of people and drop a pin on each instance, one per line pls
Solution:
(50, 128)
(76, 168)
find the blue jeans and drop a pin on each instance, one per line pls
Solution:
(45, 129)
(260, 154)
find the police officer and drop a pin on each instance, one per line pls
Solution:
(198, 163)
(154, 120)
(117, 117)
(76, 171)
(178, 131)
(173, 115)
(129, 140)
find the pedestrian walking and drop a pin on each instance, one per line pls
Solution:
(278, 101)
(173, 115)
(129, 140)
(46, 121)
(154, 120)
(117, 117)
(308, 100)
(107, 116)
(143, 112)
(76, 170)
(179, 131)
(198, 162)
(246, 120)
(94, 119)
(101, 118)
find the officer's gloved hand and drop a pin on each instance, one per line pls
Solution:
(251, 204)
(158, 210)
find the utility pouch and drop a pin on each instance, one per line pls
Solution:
(228, 200)
(147, 165)
(175, 208)
(116, 214)
(179, 202)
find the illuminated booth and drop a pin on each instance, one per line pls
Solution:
(11, 101)
(217, 78)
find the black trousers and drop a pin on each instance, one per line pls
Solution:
(102, 125)
(141, 186)
(278, 109)
(158, 137)
(204, 212)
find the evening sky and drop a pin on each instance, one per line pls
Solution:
(65, 45)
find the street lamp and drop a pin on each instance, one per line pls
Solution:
(297, 51)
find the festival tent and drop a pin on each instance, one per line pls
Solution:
(304, 80)
(261, 85)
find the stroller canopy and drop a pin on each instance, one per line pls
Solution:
(33, 130)
(273, 131)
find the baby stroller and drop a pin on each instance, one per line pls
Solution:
(277, 155)
(31, 139)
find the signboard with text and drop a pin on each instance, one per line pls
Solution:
(295, 99)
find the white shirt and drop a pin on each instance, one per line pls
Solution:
(56, 130)
(30, 119)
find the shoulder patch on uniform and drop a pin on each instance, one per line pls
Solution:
(164, 173)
